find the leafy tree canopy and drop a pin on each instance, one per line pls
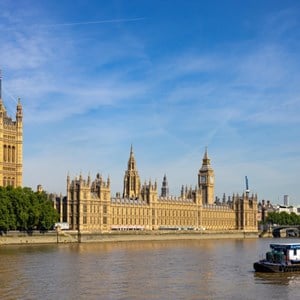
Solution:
(283, 218)
(23, 209)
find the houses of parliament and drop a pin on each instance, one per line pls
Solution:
(89, 206)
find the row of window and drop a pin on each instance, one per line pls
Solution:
(7, 181)
(94, 220)
(163, 213)
(127, 221)
(217, 215)
(145, 221)
(160, 221)
(9, 153)
(177, 222)
(9, 137)
(130, 211)
(216, 223)
(94, 208)
(177, 213)
(160, 212)
(212, 224)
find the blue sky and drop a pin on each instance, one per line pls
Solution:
(169, 77)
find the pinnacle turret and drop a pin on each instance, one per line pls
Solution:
(165, 188)
(132, 182)
(131, 161)
(206, 161)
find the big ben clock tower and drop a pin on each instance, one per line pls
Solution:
(206, 179)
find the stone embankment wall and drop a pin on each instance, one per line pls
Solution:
(75, 237)
(35, 237)
(162, 235)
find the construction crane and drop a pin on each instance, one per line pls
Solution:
(247, 185)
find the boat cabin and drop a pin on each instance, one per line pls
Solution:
(290, 252)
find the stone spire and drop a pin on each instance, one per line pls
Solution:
(131, 161)
(19, 113)
(206, 161)
(132, 183)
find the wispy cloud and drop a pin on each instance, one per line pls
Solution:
(90, 91)
(93, 22)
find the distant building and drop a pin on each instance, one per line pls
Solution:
(89, 206)
(11, 145)
(288, 209)
(286, 200)
(264, 208)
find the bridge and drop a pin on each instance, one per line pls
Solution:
(286, 231)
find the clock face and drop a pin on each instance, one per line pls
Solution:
(203, 179)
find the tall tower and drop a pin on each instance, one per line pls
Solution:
(11, 145)
(165, 187)
(206, 179)
(132, 182)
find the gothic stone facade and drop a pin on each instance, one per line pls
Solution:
(11, 146)
(90, 207)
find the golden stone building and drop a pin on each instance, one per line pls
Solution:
(11, 146)
(89, 206)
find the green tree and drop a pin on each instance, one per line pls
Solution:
(295, 220)
(283, 218)
(23, 209)
(7, 216)
(4, 215)
(47, 214)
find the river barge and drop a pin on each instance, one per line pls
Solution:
(283, 257)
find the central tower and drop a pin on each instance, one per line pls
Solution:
(132, 182)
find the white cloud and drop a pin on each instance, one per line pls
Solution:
(88, 95)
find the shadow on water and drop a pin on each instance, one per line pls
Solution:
(276, 278)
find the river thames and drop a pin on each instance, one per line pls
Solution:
(193, 269)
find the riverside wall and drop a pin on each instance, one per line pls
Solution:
(36, 237)
(20, 238)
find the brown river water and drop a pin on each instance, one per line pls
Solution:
(193, 269)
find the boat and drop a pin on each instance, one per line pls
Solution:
(283, 257)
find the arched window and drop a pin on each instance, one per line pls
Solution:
(13, 154)
(9, 154)
(5, 153)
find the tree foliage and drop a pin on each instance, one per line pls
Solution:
(283, 218)
(23, 209)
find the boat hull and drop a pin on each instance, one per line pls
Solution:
(266, 267)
